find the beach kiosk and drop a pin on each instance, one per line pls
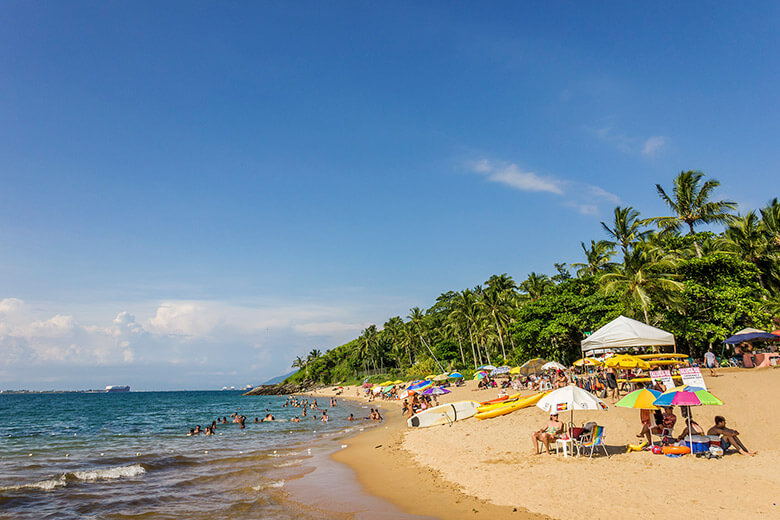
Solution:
(623, 333)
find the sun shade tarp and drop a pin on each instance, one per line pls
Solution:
(623, 332)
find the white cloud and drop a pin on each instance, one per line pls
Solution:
(511, 175)
(653, 145)
(603, 194)
(646, 146)
(46, 345)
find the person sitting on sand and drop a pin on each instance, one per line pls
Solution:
(547, 434)
(695, 430)
(668, 420)
(729, 436)
(405, 407)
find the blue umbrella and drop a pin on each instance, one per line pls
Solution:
(500, 370)
(456, 375)
(749, 335)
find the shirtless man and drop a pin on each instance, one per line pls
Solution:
(547, 434)
(729, 435)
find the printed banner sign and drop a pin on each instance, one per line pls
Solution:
(691, 376)
(664, 376)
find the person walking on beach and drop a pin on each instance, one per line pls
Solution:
(711, 361)
(612, 384)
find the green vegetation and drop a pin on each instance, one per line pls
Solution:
(701, 286)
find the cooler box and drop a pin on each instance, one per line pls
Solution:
(698, 443)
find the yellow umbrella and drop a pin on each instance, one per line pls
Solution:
(587, 362)
(430, 377)
(626, 361)
(397, 382)
(515, 370)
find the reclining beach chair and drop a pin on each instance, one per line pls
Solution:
(592, 440)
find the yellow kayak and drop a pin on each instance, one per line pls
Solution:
(493, 406)
(525, 402)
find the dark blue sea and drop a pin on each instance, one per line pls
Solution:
(128, 456)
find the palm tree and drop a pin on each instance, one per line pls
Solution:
(466, 313)
(640, 280)
(417, 320)
(535, 285)
(691, 204)
(493, 305)
(299, 363)
(597, 258)
(746, 237)
(770, 217)
(626, 228)
(393, 331)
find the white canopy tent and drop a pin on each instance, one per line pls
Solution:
(623, 333)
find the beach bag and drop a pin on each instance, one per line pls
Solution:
(716, 451)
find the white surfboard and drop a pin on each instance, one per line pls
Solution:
(443, 414)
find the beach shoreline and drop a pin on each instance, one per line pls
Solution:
(476, 467)
(385, 469)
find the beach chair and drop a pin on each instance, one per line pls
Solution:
(540, 444)
(592, 441)
(665, 435)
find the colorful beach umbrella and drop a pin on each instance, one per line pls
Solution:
(419, 386)
(553, 365)
(480, 375)
(456, 375)
(626, 361)
(532, 366)
(436, 390)
(687, 396)
(642, 399)
(499, 371)
(587, 362)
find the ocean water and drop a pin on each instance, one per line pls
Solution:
(128, 456)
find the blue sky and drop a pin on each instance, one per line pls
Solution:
(193, 193)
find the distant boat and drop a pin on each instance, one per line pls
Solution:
(248, 387)
(116, 388)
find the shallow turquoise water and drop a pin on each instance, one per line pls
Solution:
(127, 455)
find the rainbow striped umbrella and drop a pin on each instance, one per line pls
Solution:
(687, 396)
(641, 399)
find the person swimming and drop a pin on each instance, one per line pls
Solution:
(351, 417)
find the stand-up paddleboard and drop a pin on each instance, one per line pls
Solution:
(443, 414)
(519, 404)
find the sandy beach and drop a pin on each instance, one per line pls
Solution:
(487, 468)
